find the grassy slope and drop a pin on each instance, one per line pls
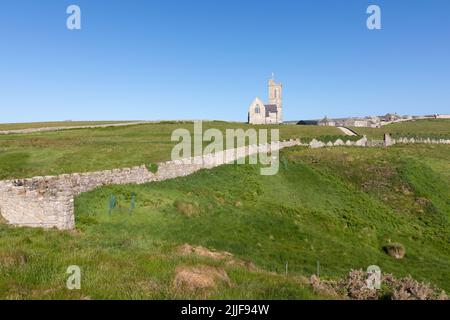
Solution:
(86, 150)
(339, 207)
(434, 128)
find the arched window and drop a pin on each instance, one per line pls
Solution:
(257, 110)
(276, 93)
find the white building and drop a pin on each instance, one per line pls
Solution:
(271, 113)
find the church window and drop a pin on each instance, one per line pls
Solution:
(257, 110)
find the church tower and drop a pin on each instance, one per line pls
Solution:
(275, 97)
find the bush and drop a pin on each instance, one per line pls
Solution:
(396, 250)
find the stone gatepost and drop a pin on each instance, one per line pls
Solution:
(387, 140)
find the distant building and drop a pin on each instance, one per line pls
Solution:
(391, 117)
(271, 113)
(370, 122)
(327, 122)
(308, 123)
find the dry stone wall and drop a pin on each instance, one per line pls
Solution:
(364, 142)
(49, 201)
(418, 140)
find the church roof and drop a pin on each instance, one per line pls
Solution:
(271, 108)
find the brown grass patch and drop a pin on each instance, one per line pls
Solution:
(13, 259)
(200, 278)
(215, 255)
(189, 209)
(2, 220)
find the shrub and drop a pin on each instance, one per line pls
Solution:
(396, 250)
(354, 287)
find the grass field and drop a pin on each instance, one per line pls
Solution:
(433, 128)
(338, 206)
(34, 125)
(84, 150)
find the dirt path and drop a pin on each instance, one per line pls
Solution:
(347, 131)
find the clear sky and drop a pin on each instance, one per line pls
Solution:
(208, 59)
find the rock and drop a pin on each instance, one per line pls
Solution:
(314, 144)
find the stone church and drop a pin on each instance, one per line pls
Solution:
(271, 113)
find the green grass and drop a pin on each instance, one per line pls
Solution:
(430, 128)
(34, 125)
(85, 150)
(339, 206)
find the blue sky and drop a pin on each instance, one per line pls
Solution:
(208, 59)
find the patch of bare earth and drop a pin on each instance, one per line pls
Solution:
(229, 259)
(200, 278)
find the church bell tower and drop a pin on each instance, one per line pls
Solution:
(275, 97)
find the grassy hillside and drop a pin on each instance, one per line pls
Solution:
(86, 150)
(433, 128)
(339, 207)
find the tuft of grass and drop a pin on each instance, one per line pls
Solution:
(2, 219)
(395, 250)
(189, 209)
(12, 258)
(153, 168)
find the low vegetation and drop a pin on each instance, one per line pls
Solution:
(35, 125)
(327, 211)
(84, 150)
(396, 250)
(430, 128)
(354, 286)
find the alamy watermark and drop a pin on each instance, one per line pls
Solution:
(73, 22)
(374, 20)
(74, 280)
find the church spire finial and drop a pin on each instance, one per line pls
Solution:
(273, 76)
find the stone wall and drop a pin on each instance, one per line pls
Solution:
(48, 201)
(364, 142)
(419, 140)
(24, 206)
